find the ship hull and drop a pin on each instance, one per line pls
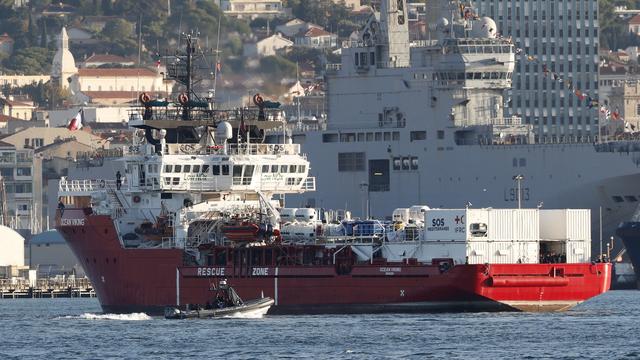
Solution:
(629, 232)
(148, 280)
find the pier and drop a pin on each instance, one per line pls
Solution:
(46, 288)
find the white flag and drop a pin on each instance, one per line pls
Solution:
(76, 122)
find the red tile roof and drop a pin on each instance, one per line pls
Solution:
(5, 118)
(314, 32)
(121, 72)
(635, 20)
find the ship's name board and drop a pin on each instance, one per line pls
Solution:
(390, 270)
(72, 222)
(208, 271)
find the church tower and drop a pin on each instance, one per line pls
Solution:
(64, 66)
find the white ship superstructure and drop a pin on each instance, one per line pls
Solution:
(432, 130)
(193, 174)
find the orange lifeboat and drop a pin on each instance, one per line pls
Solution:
(241, 232)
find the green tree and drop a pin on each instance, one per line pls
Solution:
(117, 29)
(277, 67)
(30, 61)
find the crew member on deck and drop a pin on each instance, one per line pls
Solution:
(118, 180)
(61, 206)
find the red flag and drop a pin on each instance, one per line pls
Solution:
(76, 122)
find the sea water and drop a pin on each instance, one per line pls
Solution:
(606, 327)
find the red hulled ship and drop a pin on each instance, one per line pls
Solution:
(320, 278)
(199, 196)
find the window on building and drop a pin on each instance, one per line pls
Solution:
(418, 135)
(23, 171)
(23, 188)
(352, 161)
(6, 173)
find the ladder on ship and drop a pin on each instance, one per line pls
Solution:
(118, 201)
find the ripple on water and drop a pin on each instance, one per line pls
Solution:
(603, 328)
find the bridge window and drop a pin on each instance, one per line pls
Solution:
(237, 170)
(177, 168)
(283, 168)
(265, 168)
(302, 168)
(205, 169)
(195, 168)
(168, 168)
(617, 198)
(274, 168)
(225, 169)
(215, 169)
(176, 181)
(293, 169)
(187, 168)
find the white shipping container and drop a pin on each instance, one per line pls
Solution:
(579, 224)
(435, 250)
(503, 252)
(526, 224)
(445, 225)
(578, 251)
(513, 224)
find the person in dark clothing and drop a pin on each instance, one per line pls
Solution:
(118, 180)
(61, 206)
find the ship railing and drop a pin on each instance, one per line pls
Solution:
(172, 243)
(513, 120)
(88, 185)
(263, 149)
(206, 184)
(233, 149)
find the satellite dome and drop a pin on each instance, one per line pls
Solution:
(484, 28)
(443, 23)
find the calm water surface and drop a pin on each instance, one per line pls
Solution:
(607, 327)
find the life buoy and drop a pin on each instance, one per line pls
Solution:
(136, 199)
(144, 98)
(258, 100)
(183, 98)
(103, 184)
